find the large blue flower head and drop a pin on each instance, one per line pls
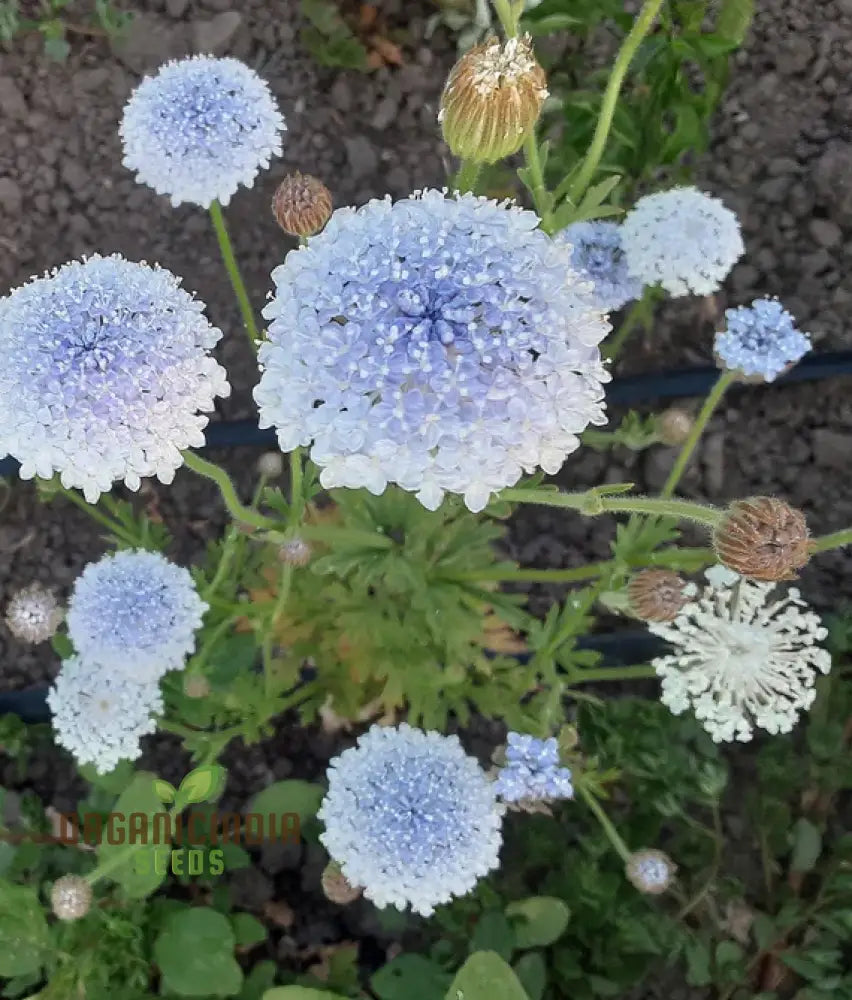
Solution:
(442, 343)
(411, 818)
(599, 255)
(200, 128)
(681, 239)
(532, 771)
(100, 716)
(761, 341)
(104, 367)
(135, 612)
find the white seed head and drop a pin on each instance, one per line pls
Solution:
(71, 897)
(33, 614)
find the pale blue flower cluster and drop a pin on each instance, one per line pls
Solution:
(135, 613)
(599, 255)
(411, 818)
(104, 374)
(681, 239)
(199, 128)
(532, 771)
(100, 715)
(761, 341)
(442, 343)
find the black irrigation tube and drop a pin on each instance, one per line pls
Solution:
(617, 649)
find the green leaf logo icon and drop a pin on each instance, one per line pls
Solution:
(164, 790)
(202, 784)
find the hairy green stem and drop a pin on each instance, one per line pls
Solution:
(216, 474)
(595, 674)
(508, 18)
(641, 27)
(605, 822)
(468, 175)
(233, 269)
(284, 584)
(297, 500)
(593, 502)
(538, 188)
(836, 540)
(723, 383)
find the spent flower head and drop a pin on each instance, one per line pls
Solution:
(650, 871)
(532, 771)
(442, 343)
(681, 239)
(760, 341)
(100, 715)
(71, 897)
(105, 372)
(301, 205)
(199, 128)
(492, 99)
(763, 538)
(33, 614)
(656, 595)
(599, 255)
(411, 818)
(135, 612)
(739, 660)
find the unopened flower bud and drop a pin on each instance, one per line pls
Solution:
(196, 686)
(33, 614)
(301, 205)
(271, 464)
(492, 99)
(295, 552)
(656, 595)
(651, 871)
(336, 887)
(763, 538)
(674, 425)
(71, 897)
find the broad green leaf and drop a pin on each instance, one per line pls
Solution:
(300, 993)
(410, 977)
(24, 938)
(300, 797)
(140, 871)
(807, 846)
(531, 970)
(493, 932)
(484, 976)
(538, 921)
(734, 19)
(195, 954)
(248, 930)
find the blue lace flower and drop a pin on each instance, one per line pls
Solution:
(99, 715)
(599, 256)
(532, 771)
(135, 612)
(761, 341)
(681, 239)
(200, 128)
(411, 818)
(441, 343)
(104, 369)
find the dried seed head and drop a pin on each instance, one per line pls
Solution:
(71, 897)
(301, 205)
(196, 686)
(656, 595)
(651, 871)
(492, 99)
(295, 552)
(33, 614)
(674, 425)
(270, 464)
(335, 886)
(763, 538)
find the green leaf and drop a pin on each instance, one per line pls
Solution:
(484, 976)
(114, 781)
(258, 981)
(137, 871)
(531, 970)
(734, 19)
(164, 790)
(697, 956)
(493, 932)
(64, 648)
(248, 930)
(195, 953)
(807, 846)
(300, 993)
(542, 919)
(201, 785)
(300, 797)
(410, 977)
(24, 937)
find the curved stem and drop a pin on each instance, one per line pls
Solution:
(641, 27)
(605, 822)
(237, 510)
(836, 540)
(593, 502)
(468, 175)
(103, 519)
(725, 380)
(537, 187)
(233, 269)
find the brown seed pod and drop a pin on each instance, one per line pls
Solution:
(492, 98)
(301, 205)
(656, 595)
(674, 425)
(295, 552)
(336, 887)
(763, 538)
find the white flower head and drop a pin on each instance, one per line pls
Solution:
(740, 661)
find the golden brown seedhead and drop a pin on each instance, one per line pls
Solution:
(763, 538)
(492, 99)
(656, 595)
(301, 205)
